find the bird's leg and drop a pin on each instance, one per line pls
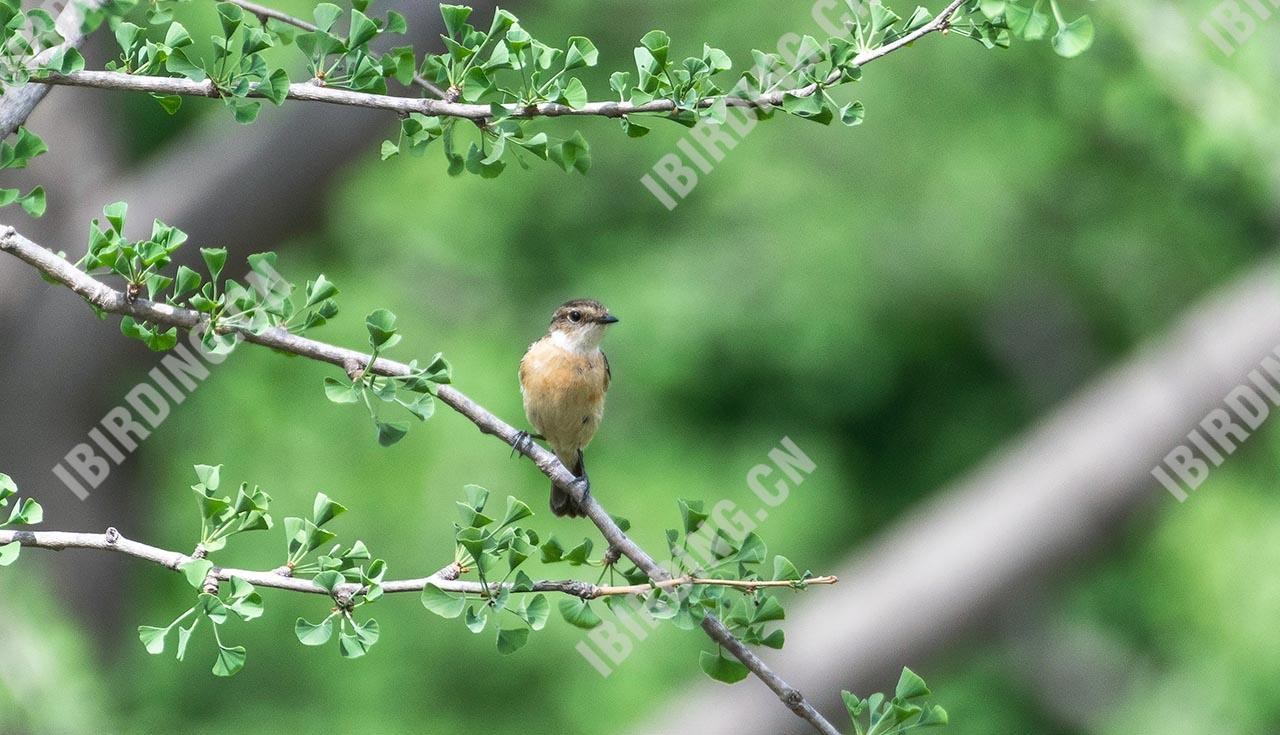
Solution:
(583, 480)
(523, 441)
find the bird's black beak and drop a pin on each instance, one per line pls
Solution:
(611, 319)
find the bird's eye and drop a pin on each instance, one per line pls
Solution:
(575, 316)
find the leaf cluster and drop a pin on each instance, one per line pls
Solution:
(26, 147)
(26, 513)
(415, 391)
(906, 710)
(495, 549)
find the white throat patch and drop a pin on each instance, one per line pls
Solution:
(584, 341)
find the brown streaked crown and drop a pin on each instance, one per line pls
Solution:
(581, 312)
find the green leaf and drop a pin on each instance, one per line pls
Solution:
(806, 106)
(1074, 38)
(358, 642)
(9, 553)
(552, 551)
(455, 17)
(934, 716)
(229, 662)
(209, 475)
(342, 391)
(181, 64)
(212, 608)
(753, 550)
(442, 603)
(516, 510)
(328, 580)
(774, 640)
(187, 282)
(581, 52)
(511, 640)
(196, 570)
(319, 290)
(391, 432)
(578, 613)
(910, 686)
(537, 611)
(522, 583)
(230, 16)
(323, 509)
(214, 259)
(476, 621)
(316, 634)
(245, 112)
(396, 23)
(382, 328)
(574, 94)
(326, 14)
(720, 668)
(184, 637)
(580, 553)
(244, 601)
(34, 202)
(276, 87)
(691, 514)
(632, 128)
(783, 569)
(572, 154)
(362, 30)
(65, 60)
(128, 36)
(422, 406)
(768, 610)
(853, 114)
(176, 36)
(810, 52)
(115, 214)
(153, 638)
(28, 512)
(657, 42)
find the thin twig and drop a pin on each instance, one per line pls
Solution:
(116, 302)
(446, 579)
(312, 92)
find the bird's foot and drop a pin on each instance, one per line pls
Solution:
(585, 484)
(523, 442)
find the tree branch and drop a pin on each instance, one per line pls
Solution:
(116, 302)
(16, 105)
(446, 579)
(314, 91)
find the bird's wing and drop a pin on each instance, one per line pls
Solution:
(608, 374)
(524, 369)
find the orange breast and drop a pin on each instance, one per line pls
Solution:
(563, 394)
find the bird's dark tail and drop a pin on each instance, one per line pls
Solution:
(562, 504)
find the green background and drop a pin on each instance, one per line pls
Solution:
(854, 290)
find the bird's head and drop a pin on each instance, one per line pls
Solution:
(579, 324)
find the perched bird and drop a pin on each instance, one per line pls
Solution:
(563, 378)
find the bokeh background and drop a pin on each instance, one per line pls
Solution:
(908, 301)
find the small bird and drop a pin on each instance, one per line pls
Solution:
(563, 378)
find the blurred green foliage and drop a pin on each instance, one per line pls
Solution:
(898, 299)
